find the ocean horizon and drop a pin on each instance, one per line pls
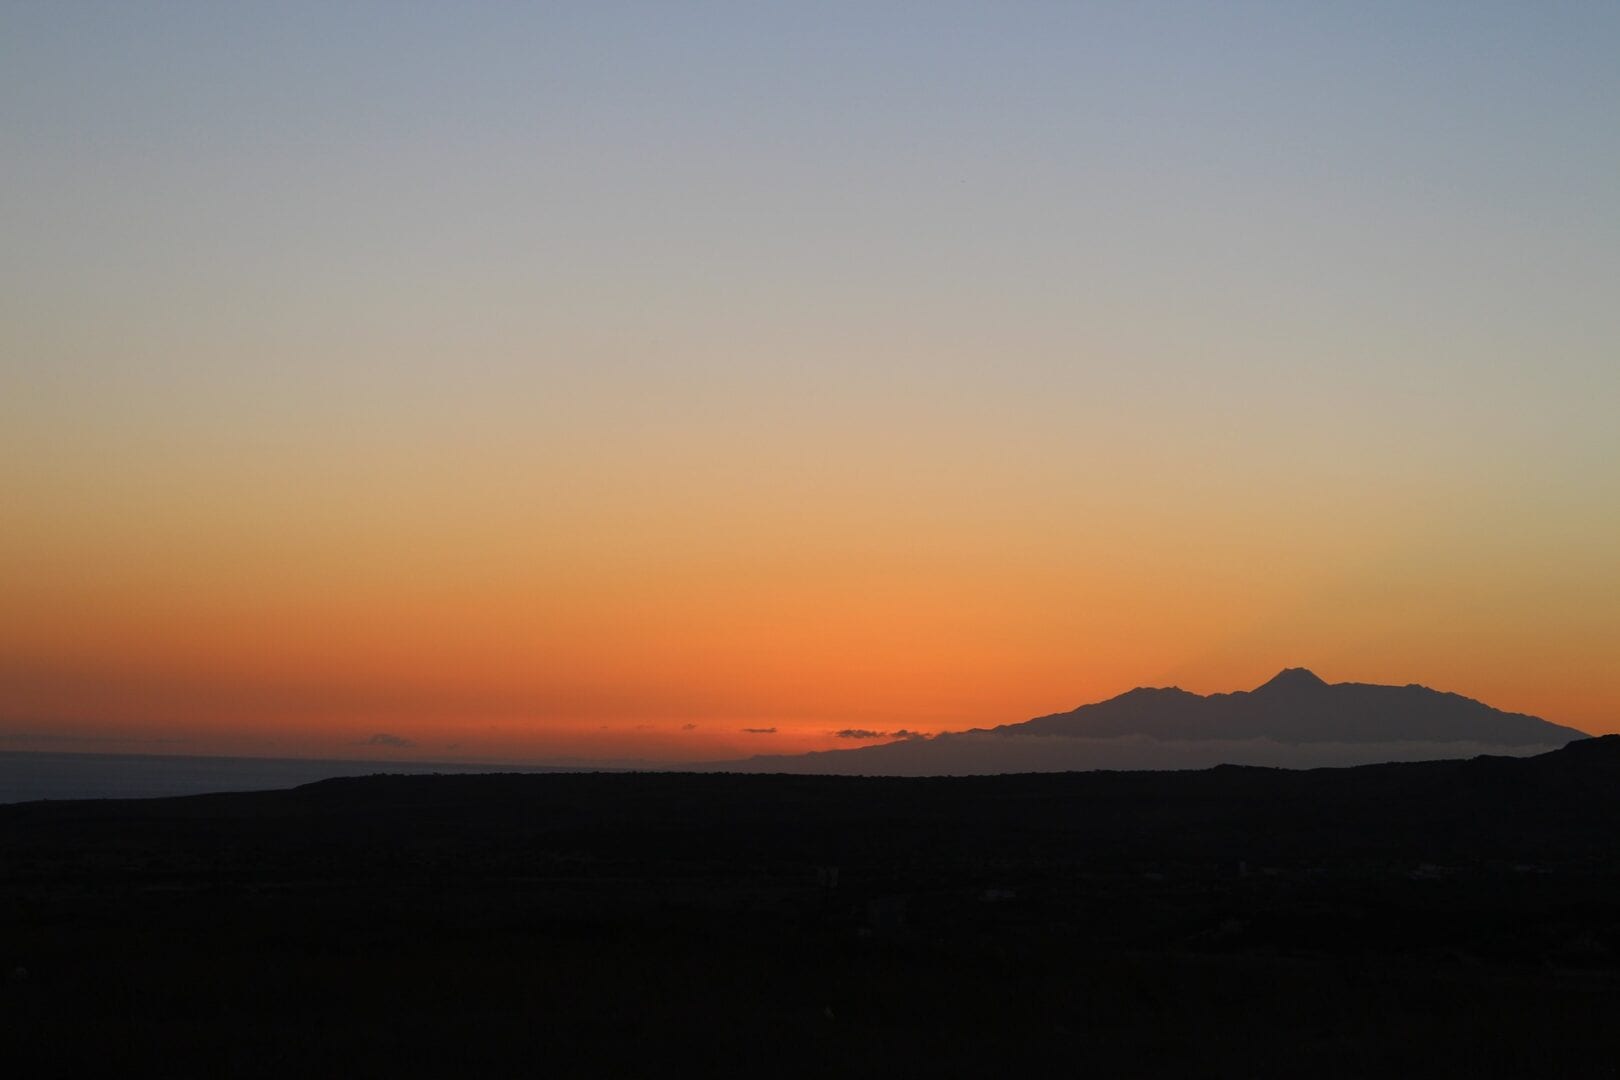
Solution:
(29, 776)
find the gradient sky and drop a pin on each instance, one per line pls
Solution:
(602, 380)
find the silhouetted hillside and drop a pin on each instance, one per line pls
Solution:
(1561, 804)
(1449, 918)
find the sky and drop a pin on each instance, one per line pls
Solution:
(665, 382)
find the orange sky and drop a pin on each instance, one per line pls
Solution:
(486, 620)
(525, 388)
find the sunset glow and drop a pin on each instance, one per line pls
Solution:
(529, 387)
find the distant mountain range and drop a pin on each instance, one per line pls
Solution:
(1296, 720)
(1297, 706)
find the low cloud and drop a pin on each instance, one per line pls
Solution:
(867, 733)
(688, 727)
(904, 734)
(760, 730)
(382, 738)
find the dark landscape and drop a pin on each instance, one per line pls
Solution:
(1456, 917)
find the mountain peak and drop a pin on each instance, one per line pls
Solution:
(1293, 678)
(1296, 719)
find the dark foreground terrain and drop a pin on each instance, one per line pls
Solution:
(1444, 918)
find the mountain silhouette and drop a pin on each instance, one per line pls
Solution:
(1297, 706)
(1294, 720)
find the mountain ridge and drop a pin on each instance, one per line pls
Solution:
(1296, 705)
(1293, 720)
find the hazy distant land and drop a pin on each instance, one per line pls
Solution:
(30, 775)
(1294, 721)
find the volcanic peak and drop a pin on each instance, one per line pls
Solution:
(1293, 678)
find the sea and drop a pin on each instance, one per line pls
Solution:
(26, 776)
